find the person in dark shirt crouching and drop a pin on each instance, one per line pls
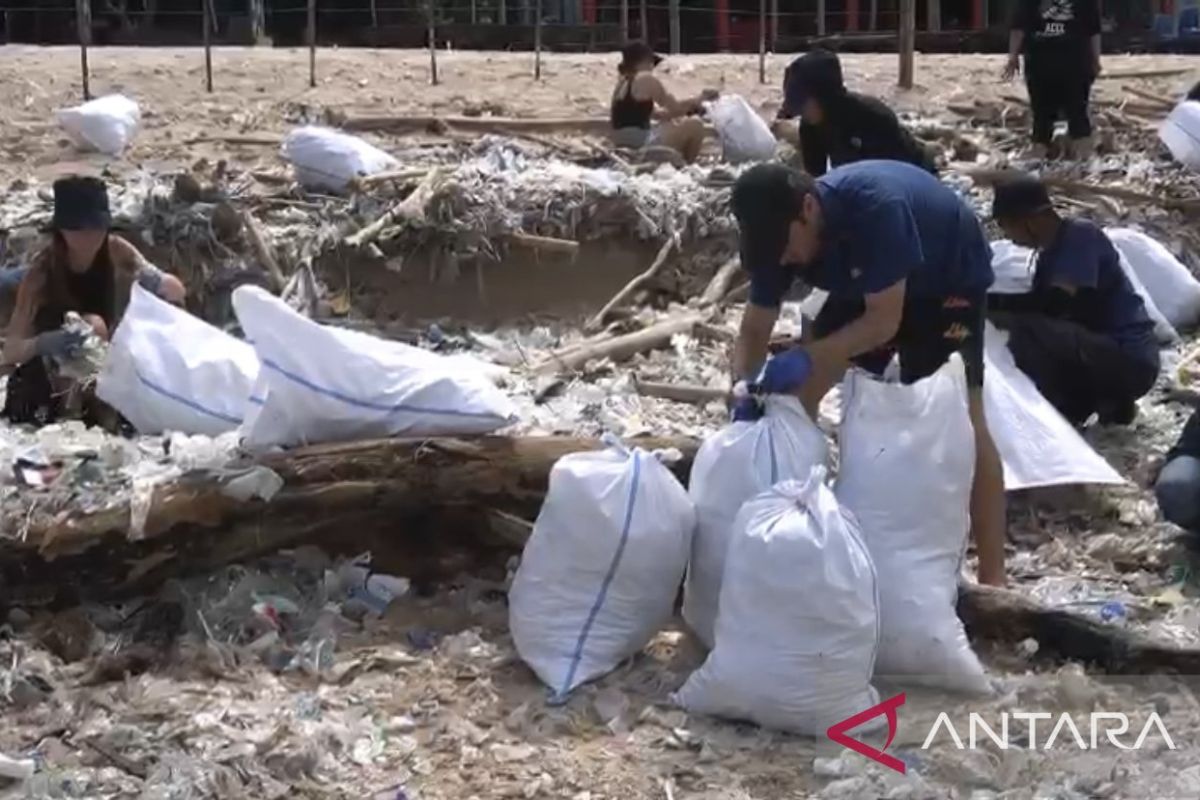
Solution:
(1178, 484)
(1082, 334)
(838, 126)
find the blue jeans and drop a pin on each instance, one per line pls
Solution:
(1178, 492)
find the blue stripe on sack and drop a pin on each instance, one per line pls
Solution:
(774, 460)
(258, 401)
(353, 401)
(192, 404)
(561, 695)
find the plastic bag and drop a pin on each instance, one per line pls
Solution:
(329, 159)
(1037, 446)
(601, 571)
(745, 136)
(167, 370)
(1171, 285)
(107, 124)
(799, 620)
(1180, 132)
(733, 465)
(320, 383)
(907, 462)
(1014, 267)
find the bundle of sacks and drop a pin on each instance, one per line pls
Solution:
(803, 592)
(292, 382)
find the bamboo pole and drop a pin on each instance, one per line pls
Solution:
(537, 42)
(673, 10)
(83, 24)
(206, 12)
(908, 28)
(312, 44)
(433, 70)
(762, 41)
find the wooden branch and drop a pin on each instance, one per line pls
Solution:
(410, 209)
(1166, 102)
(262, 251)
(416, 124)
(597, 322)
(254, 141)
(1146, 73)
(367, 181)
(987, 175)
(1008, 616)
(718, 287)
(681, 392)
(545, 244)
(618, 348)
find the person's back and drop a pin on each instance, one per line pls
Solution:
(868, 200)
(628, 111)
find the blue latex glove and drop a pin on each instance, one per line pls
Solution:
(10, 279)
(58, 343)
(786, 373)
(746, 406)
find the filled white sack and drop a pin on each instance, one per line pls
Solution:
(327, 159)
(1014, 267)
(328, 384)
(1170, 284)
(1038, 447)
(798, 622)
(1180, 132)
(745, 136)
(907, 462)
(601, 571)
(167, 370)
(107, 124)
(738, 462)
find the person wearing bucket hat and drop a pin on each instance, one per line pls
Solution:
(906, 265)
(85, 269)
(640, 98)
(1082, 333)
(838, 126)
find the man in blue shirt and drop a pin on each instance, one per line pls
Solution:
(907, 268)
(1082, 334)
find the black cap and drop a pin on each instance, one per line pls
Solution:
(81, 203)
(766, 199)
(635, 53)
(1019, 196)
(817, 73)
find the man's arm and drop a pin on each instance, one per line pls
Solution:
(814, 150)
(671, 108)
(877, 326)
(1016, 39)
(754, 336)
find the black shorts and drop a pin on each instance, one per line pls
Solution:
(931, 330)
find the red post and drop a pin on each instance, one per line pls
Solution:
(978, 23)
(851, 15)
(589, 12)
(722, 12)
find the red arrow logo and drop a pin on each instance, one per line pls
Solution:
(837, 733)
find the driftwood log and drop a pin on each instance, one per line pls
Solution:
(417, 124)
(329, 492)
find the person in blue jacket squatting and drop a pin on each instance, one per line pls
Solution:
(907, 267)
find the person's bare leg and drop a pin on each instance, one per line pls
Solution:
(989, 519)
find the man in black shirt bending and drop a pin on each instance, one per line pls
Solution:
(838, 126)
(1061, 43)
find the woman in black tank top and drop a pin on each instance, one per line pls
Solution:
(638, 92)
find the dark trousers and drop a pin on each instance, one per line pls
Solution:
(1058, 89)
(1079, 371)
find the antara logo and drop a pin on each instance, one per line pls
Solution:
(837, 732)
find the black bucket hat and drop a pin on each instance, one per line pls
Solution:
(817, 73)
(766, 199)
(81, 203)
(1019, 196)
(635, 53)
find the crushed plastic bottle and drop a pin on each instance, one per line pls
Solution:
(1113, 611)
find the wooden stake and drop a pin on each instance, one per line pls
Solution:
(873, 18)
(312, 44)
(503, 12)
(474, 12)
(375, 13)
(207, 14)
(433, 72)
(774, 26)
(933, 15)
(820, 17)
(673, 10)
(624, 21)
(908, 35)
(644, 32)
(83, 24)
(762, 41)
(537, 42)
